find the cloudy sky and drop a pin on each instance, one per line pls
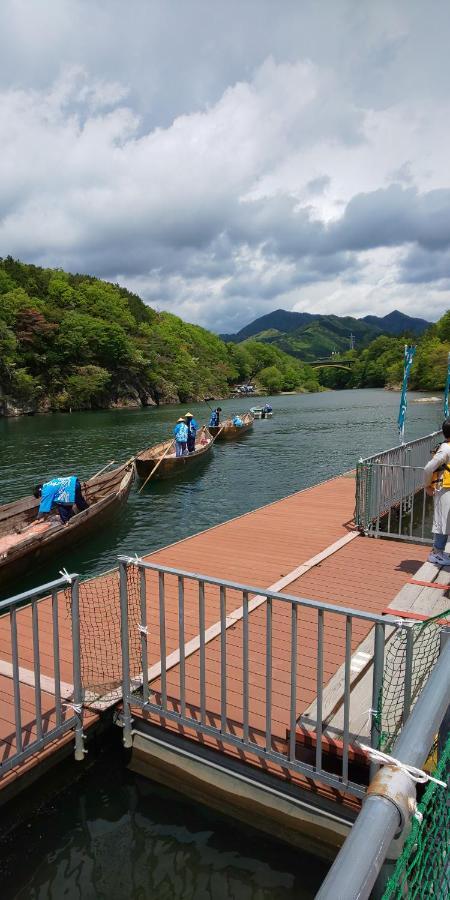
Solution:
(224, 158)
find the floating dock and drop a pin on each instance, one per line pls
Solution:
(305, 546)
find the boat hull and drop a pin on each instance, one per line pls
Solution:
(171, 466)
(229, 432)
(22, 558)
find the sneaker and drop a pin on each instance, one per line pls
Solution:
(439, 558)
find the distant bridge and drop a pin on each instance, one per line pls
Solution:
(332, 363)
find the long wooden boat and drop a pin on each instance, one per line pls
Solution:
(226, 431)
(26, 541)
(163, 455)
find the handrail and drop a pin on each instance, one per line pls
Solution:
(261, 592)
(388, 808)
(50, 723)
(259, 658)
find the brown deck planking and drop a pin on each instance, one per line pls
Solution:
(257, 549)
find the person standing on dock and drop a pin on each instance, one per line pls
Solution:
(192, 428)
(62, 493)
(437, 485)
(181, 435)
(214, 419)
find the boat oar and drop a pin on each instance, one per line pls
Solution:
(215, 436)
(157, 466)
(102, 470)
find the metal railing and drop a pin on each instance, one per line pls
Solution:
(368, 853)
(251, 661)
(44, 707)
(390, 497)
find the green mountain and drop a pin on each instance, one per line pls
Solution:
(309, 337)
(75, 342)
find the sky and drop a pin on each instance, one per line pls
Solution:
(224, 158)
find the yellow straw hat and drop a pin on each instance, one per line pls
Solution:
(188, 416)
(181, 420)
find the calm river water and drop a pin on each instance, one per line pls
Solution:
(310, 438)
(111, 834)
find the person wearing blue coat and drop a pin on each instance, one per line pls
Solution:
(181, 435)
(192, 428)
(61, 494)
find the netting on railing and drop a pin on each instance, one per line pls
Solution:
(406, 670)
(101, 655)
(423, 869)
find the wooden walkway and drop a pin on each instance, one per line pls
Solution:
(304, 544)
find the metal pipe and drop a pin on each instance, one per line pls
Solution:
(126, 691)
(357, 865)
(143, 633)
(77, 684)
(34, 593)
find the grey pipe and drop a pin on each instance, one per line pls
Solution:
(357, 865)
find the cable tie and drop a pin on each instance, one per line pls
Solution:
(417, 775)
(133, 560)
(418, 815)
(77, 707)
(64, 574)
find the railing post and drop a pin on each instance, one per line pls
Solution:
(126, 692)
(77, 684)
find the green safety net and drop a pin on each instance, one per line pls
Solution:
(410, 655)
(423, 869)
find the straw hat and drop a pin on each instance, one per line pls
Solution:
(188, 416)
(181, 420)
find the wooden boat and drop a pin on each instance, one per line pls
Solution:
(26, 541)
(260, 413)
(163, 455)
(226, 431)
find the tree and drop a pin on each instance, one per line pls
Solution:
(272, 379)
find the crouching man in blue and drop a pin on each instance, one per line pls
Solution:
(62, 494)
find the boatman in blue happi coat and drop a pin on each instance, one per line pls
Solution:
(238, 421)
(61, 494)
(214, 418)
(181, 435)
(192, 428)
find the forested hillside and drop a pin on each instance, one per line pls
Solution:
(73, 341)
(309, 336)
(381, 364)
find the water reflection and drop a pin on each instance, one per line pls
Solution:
(116, 835)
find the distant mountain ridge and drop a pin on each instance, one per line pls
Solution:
(309, 336)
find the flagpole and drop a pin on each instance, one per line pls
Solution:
(408, 360)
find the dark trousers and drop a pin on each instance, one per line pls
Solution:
(66, 510)
(191, 443)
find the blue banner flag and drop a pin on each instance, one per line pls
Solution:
(447, 389)
(409, 356)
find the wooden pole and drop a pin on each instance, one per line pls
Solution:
(102, 470)
(157, 466)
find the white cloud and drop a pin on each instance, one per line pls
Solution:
(223, 166)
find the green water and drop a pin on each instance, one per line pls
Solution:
(110, 834)
(310, 438)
